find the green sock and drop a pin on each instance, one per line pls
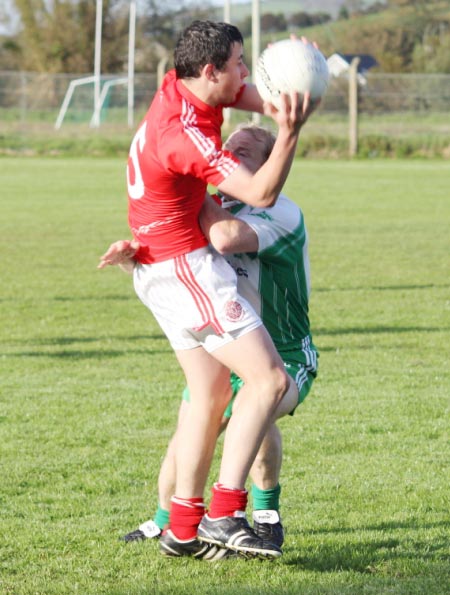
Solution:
(161, 517)
(266, 499)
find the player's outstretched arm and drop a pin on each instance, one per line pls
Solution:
(120, 253)
(250, 100)
(262, 188)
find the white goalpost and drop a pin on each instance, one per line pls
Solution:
(256, 47)
(256, 43)
(101, 93)
(131, 50)
(97, 62)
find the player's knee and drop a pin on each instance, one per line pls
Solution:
(289, 400)
(276, 385)
(283, 383)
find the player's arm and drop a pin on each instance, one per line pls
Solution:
(120, 253)
(225, 232)
(262, 188)
(250, 100)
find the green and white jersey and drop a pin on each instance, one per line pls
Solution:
(276, 280)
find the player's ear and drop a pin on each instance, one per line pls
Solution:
(210, 72)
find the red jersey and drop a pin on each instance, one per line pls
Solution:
(176, 152)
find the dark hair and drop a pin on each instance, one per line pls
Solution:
(204, 42)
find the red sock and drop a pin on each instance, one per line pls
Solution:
(226, 501)
(185, 516)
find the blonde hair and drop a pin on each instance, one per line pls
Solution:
(261, 135)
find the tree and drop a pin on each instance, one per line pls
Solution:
(10, 53)
(412, 3)
(300, 19)
(433, 54)
(273, 22)
(343, 13)
(321, 17)
(60, 37)
(245, 26)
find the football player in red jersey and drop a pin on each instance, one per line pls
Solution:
(191, 290)
(278, 265)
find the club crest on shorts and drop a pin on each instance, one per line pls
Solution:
(233, 311)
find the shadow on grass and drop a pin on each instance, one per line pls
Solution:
(371, 557)
(88, 354)
(378, 330)
(68, 298)
(80, 354)
(49, 341)
(374, 554)
(107, 353)
(93, 298)
(385, 526)
(384, 564)
(382, 288)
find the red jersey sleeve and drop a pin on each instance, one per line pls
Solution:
(197, 154)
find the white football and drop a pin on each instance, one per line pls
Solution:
(291, 65)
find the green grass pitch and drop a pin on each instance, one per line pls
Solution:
(89, 390)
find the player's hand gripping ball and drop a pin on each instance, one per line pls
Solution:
(291, 65)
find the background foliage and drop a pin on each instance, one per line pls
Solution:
(403, 35)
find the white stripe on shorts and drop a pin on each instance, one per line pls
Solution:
(194, 299)
(204, 304)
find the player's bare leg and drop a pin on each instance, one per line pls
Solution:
(209, 388)
(265, 471)
(265, 383)
(210, 392)
(167, 472)
(254, 359)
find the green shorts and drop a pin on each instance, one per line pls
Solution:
(301, 374)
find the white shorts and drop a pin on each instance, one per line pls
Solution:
(194, 300)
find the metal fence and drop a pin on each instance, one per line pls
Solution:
(28, 97)
(389, 104)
